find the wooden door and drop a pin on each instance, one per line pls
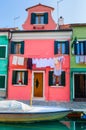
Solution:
(80, 85)
(38, 84)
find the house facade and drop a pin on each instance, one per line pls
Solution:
(3, 62)
(78, 63)
(39, 59)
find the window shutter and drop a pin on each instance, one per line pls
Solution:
(50, 78)
(14, 76)
(45, 18)
(22, 47)
(75, 49)
(84, 46)
(55, 47)
(12, 48)
(63, 78)
(2, 81)
(67, 47)
(33, 15)
(26, 78)
(81, 48)
(2, 51)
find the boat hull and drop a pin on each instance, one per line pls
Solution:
(31, 117)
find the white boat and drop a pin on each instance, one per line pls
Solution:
(15, 111)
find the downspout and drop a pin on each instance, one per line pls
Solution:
(9, 40)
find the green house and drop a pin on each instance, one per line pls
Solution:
(78, 63)
(3, 63)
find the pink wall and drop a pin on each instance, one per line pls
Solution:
(39, 49)
(40, 8)
(19, 92)
(61, 93)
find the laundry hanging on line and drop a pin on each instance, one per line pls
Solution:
(17, 60)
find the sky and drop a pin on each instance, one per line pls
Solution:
(13, 13)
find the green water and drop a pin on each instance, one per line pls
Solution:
(52, 125)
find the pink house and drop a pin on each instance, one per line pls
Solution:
(39, 60)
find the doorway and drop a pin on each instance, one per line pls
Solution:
(80, 86)
(38, 85)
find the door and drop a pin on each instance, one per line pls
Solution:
(80, 85)
(38, 84)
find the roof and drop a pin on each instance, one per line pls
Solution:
(64, 26)
(40, 5)
(36, 31)
(78, 24)
(7, 29)
(69, 26)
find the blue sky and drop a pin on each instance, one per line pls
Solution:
(73, 11)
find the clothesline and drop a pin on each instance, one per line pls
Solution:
(17, 60)
(44, 62)
(80, 59)
(39, 62)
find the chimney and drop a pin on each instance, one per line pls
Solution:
(61, 21)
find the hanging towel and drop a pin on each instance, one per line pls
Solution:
(40, 63)
(20, 60)
(81, 59)
(77, 59)
(29, 63)
(15, 59)
(85, 59)
(57, 72)
(51, 62)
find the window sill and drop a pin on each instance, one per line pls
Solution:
(39, 24)
(57, 86)
(19, 85)
(3, 58)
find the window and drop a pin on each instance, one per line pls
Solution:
(56, 80)
(20, 78)
(2, 81)
(80, 48)
(2, 51)
(39, 18)
(17, 47)
(61, 47)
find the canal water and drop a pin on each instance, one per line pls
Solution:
(51, 125)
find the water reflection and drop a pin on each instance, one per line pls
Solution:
(52, 125)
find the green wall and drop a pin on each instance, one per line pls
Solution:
(4, 61)
(80, 33)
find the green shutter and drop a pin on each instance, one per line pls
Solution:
(84, 44)
(63, 78)
(22, 47)
(45, 18)
(14, 76)
(50, 79)
(26, 77)
(67, 47)
(33, 16)
(2, 51)
(2, 81)
(75, 48)
(12, 48)
(55, 47)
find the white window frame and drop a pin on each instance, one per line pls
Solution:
(6, 51)
(5, 81)
(19, 71)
